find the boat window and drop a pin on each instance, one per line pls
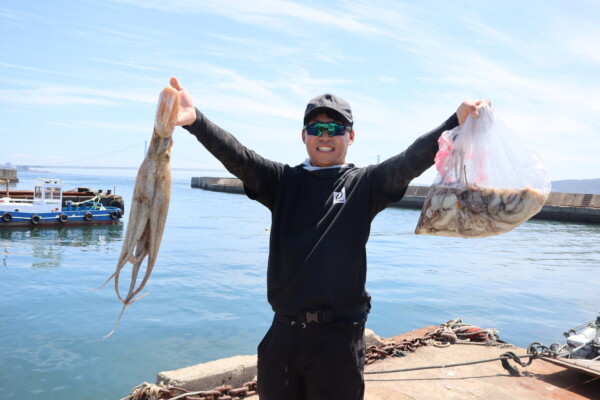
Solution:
(56, 193)
(38, 193)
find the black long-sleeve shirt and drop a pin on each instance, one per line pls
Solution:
(321, 220)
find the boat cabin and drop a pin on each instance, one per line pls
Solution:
(48, 192)
(47, 197)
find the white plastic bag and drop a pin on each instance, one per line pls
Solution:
(488, 181)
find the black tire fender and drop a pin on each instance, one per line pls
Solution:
(63, 218)
(35, 219)
(88, 216)
(6, 217)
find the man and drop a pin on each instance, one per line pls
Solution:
(321, 217)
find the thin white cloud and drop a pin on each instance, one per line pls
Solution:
(31, 69)
(301, 82)
(398, 22)
(583, 45)
(484, 33)
(386, 79)
(224, 89)
(121, 34)
(105, 125)
(49, 96)
(125, 64)
(231, 101)
(74, 95)
(274, 14)
(21, 18)
(484, 75)
(260, 48)
(25, 157)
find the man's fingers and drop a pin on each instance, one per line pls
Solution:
(480, 103)
(187, 112)
(474, 108)
(175, 84)
(470, 108)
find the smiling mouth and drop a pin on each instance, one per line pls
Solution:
(325, 148)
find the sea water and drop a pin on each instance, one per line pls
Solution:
(208, 290)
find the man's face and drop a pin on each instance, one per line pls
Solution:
(326, 151)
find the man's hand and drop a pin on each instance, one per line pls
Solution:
(471, 108)
(187, 111)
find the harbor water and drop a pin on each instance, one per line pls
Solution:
(208, 290)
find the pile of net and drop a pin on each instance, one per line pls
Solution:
(488, 181)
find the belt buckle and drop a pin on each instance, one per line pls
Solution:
(313, 316)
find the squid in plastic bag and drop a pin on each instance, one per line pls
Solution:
(488, 181)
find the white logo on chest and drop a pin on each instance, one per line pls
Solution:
(339, 197)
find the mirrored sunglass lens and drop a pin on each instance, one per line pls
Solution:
(312, 130)
(337, 130)
(332, 129)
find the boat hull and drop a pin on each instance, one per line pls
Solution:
(65, 218)
(74, 196)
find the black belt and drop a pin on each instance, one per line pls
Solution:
(325, 316)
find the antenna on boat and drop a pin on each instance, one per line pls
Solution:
(7, 180)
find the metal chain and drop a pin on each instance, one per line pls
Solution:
(148, 391)
(450, 332)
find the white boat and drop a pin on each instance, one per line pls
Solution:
(46, 209)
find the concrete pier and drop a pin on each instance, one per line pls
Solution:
(430, 372)
(232, 371)
(568, 207)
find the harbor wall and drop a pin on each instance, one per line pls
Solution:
(568, 207)
(8, 174)
(229, 185)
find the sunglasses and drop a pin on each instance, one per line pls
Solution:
(332, 129)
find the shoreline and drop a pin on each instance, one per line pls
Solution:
(564, 207)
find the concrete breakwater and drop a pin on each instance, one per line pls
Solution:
(570, 207)
(8, 174)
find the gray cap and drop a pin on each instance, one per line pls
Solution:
(326, 103)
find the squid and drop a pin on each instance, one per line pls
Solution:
(475, 211)
(150, 202)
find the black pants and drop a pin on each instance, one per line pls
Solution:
(312, 361)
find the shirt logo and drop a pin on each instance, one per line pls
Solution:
(339, 197)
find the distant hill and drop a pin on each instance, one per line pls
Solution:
(585, 186)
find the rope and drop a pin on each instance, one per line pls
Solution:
(534, 350)
(95, 200)
(147, 391)
(504, 358)
(486, 344)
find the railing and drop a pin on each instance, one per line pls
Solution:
(8, 200)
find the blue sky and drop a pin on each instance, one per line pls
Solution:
(79, 80)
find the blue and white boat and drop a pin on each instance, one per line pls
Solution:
(47, 209)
